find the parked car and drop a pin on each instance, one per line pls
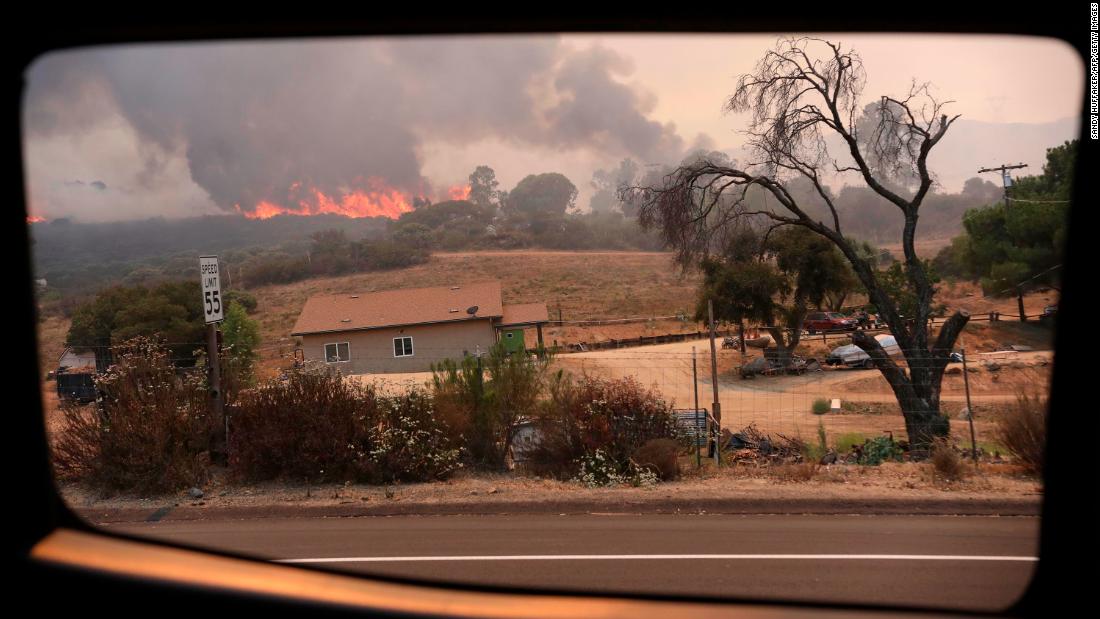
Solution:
(829, 321)
(853, 356)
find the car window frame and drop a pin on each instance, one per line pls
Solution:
(1062, 513)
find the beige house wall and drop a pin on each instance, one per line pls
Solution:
(372, 350)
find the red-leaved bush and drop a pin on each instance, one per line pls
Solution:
(318, 426)
(150, 431)
(614, 416)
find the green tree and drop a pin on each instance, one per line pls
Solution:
(247, 300)
(491, 397)
(240, 337)
(483, 187)
(542, 201)
(898, 286)
(1003, 246)
(606, 184)
(171, 311)
(774, 281)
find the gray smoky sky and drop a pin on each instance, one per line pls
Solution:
(253, 119)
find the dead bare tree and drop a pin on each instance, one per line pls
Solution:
(801, 91)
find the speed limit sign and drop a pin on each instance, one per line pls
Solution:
(211, 288)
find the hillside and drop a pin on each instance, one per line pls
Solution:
(582, 285)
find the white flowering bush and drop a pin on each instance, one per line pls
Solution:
(321, 427)
(409, 443)
(598, 469)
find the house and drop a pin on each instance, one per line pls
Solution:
(73, 361)
(409, 330)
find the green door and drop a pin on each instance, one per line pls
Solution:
(513, 340)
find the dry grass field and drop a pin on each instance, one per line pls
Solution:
(579, 285)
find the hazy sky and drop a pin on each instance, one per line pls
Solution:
(119, 133)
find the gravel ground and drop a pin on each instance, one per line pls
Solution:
(842, 484)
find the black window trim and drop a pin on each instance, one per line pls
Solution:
(337, 345)
(403, 354)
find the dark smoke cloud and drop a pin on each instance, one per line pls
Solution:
(254, 119)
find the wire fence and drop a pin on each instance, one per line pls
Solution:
(844, 395)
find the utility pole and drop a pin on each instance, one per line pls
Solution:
(714, 387)
(1007, 180)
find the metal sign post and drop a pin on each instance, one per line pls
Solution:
(969, 410)
(213, 313)
(714, 385)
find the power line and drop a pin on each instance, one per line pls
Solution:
(1043, 201)
(1007, 179)
(1033, 277)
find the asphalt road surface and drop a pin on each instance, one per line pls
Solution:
(962, 562)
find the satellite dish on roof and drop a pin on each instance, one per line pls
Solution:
(472, 310)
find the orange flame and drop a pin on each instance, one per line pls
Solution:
(34, 219)
(376, 200)
(459, 192)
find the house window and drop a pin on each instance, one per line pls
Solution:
(338, 352)
(402, 346)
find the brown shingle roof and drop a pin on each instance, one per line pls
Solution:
(348, 312)
(524, 314)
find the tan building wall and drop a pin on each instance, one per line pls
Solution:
(372, 350)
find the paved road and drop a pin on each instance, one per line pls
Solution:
(970, 562)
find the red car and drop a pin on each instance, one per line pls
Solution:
(829, 321)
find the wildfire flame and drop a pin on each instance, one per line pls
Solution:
(459, 192)
(34, 219)
(377, 200)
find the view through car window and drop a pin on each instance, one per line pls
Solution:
(759, 316)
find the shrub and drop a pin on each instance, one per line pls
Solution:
(485, 410)
(315, 426)
(409, 444)
(820, 406)
(242, 338)
(846, 441)
(662, 456)
(946, 462)
(1023, 432)
(320, 427)
(597, 469)
(614, 417)
(878, 450)
(246, 300)
(150, 430)
(814, 453)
